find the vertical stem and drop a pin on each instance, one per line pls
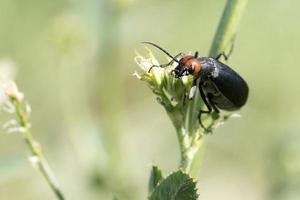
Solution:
(191, 151)
(196, 162)
(183, 147)
(228, 24)
(226, 31)
(36, 152)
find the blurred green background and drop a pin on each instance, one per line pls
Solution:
(102, 129)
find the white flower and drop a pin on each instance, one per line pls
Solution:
(150, 67)
(9, 89)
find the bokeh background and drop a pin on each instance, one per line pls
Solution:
(102, 129)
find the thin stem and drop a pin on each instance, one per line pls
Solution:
(192, 149)
(36, 151)
(228, 25)
(189, 150)
(183, 146)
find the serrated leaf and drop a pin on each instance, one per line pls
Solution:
(177, 186)
(155, 177)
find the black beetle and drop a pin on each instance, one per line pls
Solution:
(220, 87)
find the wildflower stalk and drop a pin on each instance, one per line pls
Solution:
(172, 92)
(38, 158)
(225, 33)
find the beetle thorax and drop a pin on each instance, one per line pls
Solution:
(187, 65)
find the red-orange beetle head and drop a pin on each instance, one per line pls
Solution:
(186, 66)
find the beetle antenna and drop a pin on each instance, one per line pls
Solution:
(168, 54)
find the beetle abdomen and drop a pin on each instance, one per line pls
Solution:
(231, 90)
(217, 98)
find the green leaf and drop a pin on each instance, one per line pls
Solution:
(155, 177)
(177, 186)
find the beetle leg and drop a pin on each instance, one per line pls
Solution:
(208, 105)
(205, 100)
(167, 64)
(152, 67)
(212, 104)
(226, 56)
(222, 54)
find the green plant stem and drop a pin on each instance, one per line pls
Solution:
(189, 150)
(228, 25)
(36, 151)
(191, 141)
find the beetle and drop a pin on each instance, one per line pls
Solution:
(220, 86)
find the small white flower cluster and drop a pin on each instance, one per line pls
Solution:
(9, 89)
(170, 91)
(148, 66)
(10, 95)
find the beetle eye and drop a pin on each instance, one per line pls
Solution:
(191, 69)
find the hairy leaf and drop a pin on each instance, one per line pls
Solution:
(177, 186)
